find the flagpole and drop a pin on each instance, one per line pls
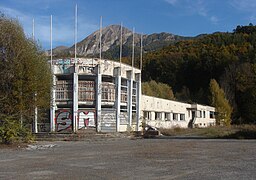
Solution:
(51, 39)
(133, 47)
(75, 31)
(36, 109)
(100, 34)
(121, 43)
(141, 49)
(75, 81)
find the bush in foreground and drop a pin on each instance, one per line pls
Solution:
(12, 131)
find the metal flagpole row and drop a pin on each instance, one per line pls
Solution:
(121, 42)
(100, 35)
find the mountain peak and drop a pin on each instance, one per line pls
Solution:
(111, 39)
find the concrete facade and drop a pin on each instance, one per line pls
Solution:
(106, 95)
(94, 93)
(162, 113)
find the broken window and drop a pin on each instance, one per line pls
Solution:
(64, 89)
(108, 92)
(86, 91)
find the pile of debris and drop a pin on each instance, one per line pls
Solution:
(150, 132)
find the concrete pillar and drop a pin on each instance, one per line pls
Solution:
(35, 117)
(117, 74)
(129, 97)
(98, 97)
(75, 98)
(53, 105)
(163, 116)
(153, 114)
(138, 109)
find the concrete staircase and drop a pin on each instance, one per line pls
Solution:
(80, 135)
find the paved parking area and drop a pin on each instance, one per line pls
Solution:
(123, 158)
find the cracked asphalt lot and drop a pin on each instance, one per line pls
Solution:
(123, 158)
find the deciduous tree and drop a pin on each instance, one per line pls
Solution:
(25, 74)
(221, 104)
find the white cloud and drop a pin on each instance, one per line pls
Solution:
(194, 7)
(244, 5)
(172, 2)
(199, 6)
(190, 6)
(214, 19)
(247, 7)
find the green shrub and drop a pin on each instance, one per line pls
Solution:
(11, 131)
(25, 135)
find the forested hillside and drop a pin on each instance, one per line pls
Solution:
(188, 66)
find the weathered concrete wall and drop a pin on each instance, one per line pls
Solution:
(163, 113)
(86, 118)
(114, 88)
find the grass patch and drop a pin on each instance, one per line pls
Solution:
(232, 132)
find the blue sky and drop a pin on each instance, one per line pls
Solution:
(181, 17)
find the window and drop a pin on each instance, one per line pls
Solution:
(158, 116)
(167, 116)
(175, 116)
(134, 93)
(182, 117)
(123, 94)
(108, 92)
(203, 114)
(64, 90)
(146, 115)
(212, 115)
(86, 91)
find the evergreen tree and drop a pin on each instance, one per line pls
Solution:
(221, 104)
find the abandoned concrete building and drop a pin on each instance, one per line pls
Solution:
(106, 95)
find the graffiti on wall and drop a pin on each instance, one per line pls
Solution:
(123, 118)
(86, 70)
(43, 127)
(65, 69)
(108, 120)
(64, 121)
(86, 119)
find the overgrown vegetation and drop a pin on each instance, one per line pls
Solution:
(160, 90)
(221, 104)
(25, 80)
(12, 131)
(233, 132)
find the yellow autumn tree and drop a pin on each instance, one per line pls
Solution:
(161, 90)
(219, 101)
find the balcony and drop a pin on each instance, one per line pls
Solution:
(108, 93)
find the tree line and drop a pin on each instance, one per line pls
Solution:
(189, 66)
